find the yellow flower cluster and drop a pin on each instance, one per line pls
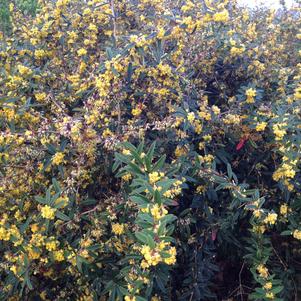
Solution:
(271, 218)
(297, 234)
(283, 172)
(58, 158)
(153, 257)
(158, 211)
(222, 16)
(279, 131)
(250, 93)
(155, 177)
(118, 228)
(261, 126)
(48, 212)
(263, 271)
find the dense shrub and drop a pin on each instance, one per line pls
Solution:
(149, 151)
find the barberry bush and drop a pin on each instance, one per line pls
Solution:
(149, 150)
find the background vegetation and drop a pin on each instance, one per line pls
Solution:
(149, 150)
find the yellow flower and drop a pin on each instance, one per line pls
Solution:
(136, 112)
(152, 257)
(234, 51)
(259, 229)
(58, 158)
(144, 264)
(263, 271)
(158, 211)
(40, 53)
(190, 117)
(283, 209)
(33, 254)
(13, 268)
(82, 52)
(118, 228)
(271, 218)
(270, 295)
(215, 109)
(40, 96)
(34, 228)
(285, 171)
(4, 234)
(200, 189)
(155, 177)
(129, 298)
(208, 158)
(51, 245)
(279, 131)
(180, 151)
(126, 177)
(250, 93)
(48, 212)
(261, 126)
(222, 16)
(297, 234)
(268, 286)
(58, 255)
(23, 70)
(126, 152)
(207, 138)
(172, 259)
(257, 213)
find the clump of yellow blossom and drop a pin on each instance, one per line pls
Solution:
(283, 209)
(263, 271)
(58, 158)
(297, 234)
(250, 93)
(82, 52)
(155, 177)
(268, 286)
(261, 126)
(222, 16)
(48, 212)
(271, 218)
(118, 228)
(158, 211)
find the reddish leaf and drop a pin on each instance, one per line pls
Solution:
(241, 143)
(213, 235)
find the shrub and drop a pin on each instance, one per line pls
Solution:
(149, 151)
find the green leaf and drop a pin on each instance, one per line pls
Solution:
(277, 289)
(62, 216)
(135, 168)
(146, 239)
(41, 200)
(142, 237)
(150, 153)
(139, 199)
(146, 217)
(8, 99)
(159, 164)
(94, 247)
(122, 158)
(286, 232)
(79, 263)
(116, 165)
(140, 299)
(48, 196)
(56, 185)
(229, 171)
(169, 218)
